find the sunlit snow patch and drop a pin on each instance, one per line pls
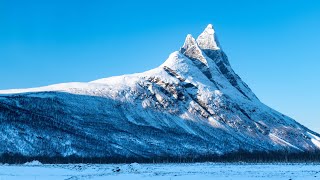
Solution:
(281, 141)
(314, 139)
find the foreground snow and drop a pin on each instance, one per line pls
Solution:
(161, 171)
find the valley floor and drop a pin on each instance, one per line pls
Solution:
(217, 171)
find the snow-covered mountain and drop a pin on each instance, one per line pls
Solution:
(193, 104)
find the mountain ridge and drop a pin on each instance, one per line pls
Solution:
(192, 104)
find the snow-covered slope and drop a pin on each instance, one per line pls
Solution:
(193, 104)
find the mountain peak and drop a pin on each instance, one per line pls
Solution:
(192, 50)
(190, 41)
(208, 39)
(209, 27)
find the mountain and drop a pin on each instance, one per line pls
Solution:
(194, 104)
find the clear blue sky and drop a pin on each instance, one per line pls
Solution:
(273, 45)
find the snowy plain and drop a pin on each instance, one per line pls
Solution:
(217, 171)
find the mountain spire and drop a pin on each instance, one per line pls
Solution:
(208, 39)
(189, 42)
(191, 49)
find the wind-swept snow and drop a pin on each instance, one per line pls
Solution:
(216, 171)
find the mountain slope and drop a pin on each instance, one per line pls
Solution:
(193, 104)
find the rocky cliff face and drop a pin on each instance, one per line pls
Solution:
(193, 104)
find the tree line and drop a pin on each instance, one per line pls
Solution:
(234, 157)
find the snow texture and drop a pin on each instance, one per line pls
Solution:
(136, 171)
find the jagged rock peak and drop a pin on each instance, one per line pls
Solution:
(191, 49)
(189, 42)
(208, 39)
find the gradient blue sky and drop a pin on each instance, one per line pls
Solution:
(273, 45)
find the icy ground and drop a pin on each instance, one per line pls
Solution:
(216, 171)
